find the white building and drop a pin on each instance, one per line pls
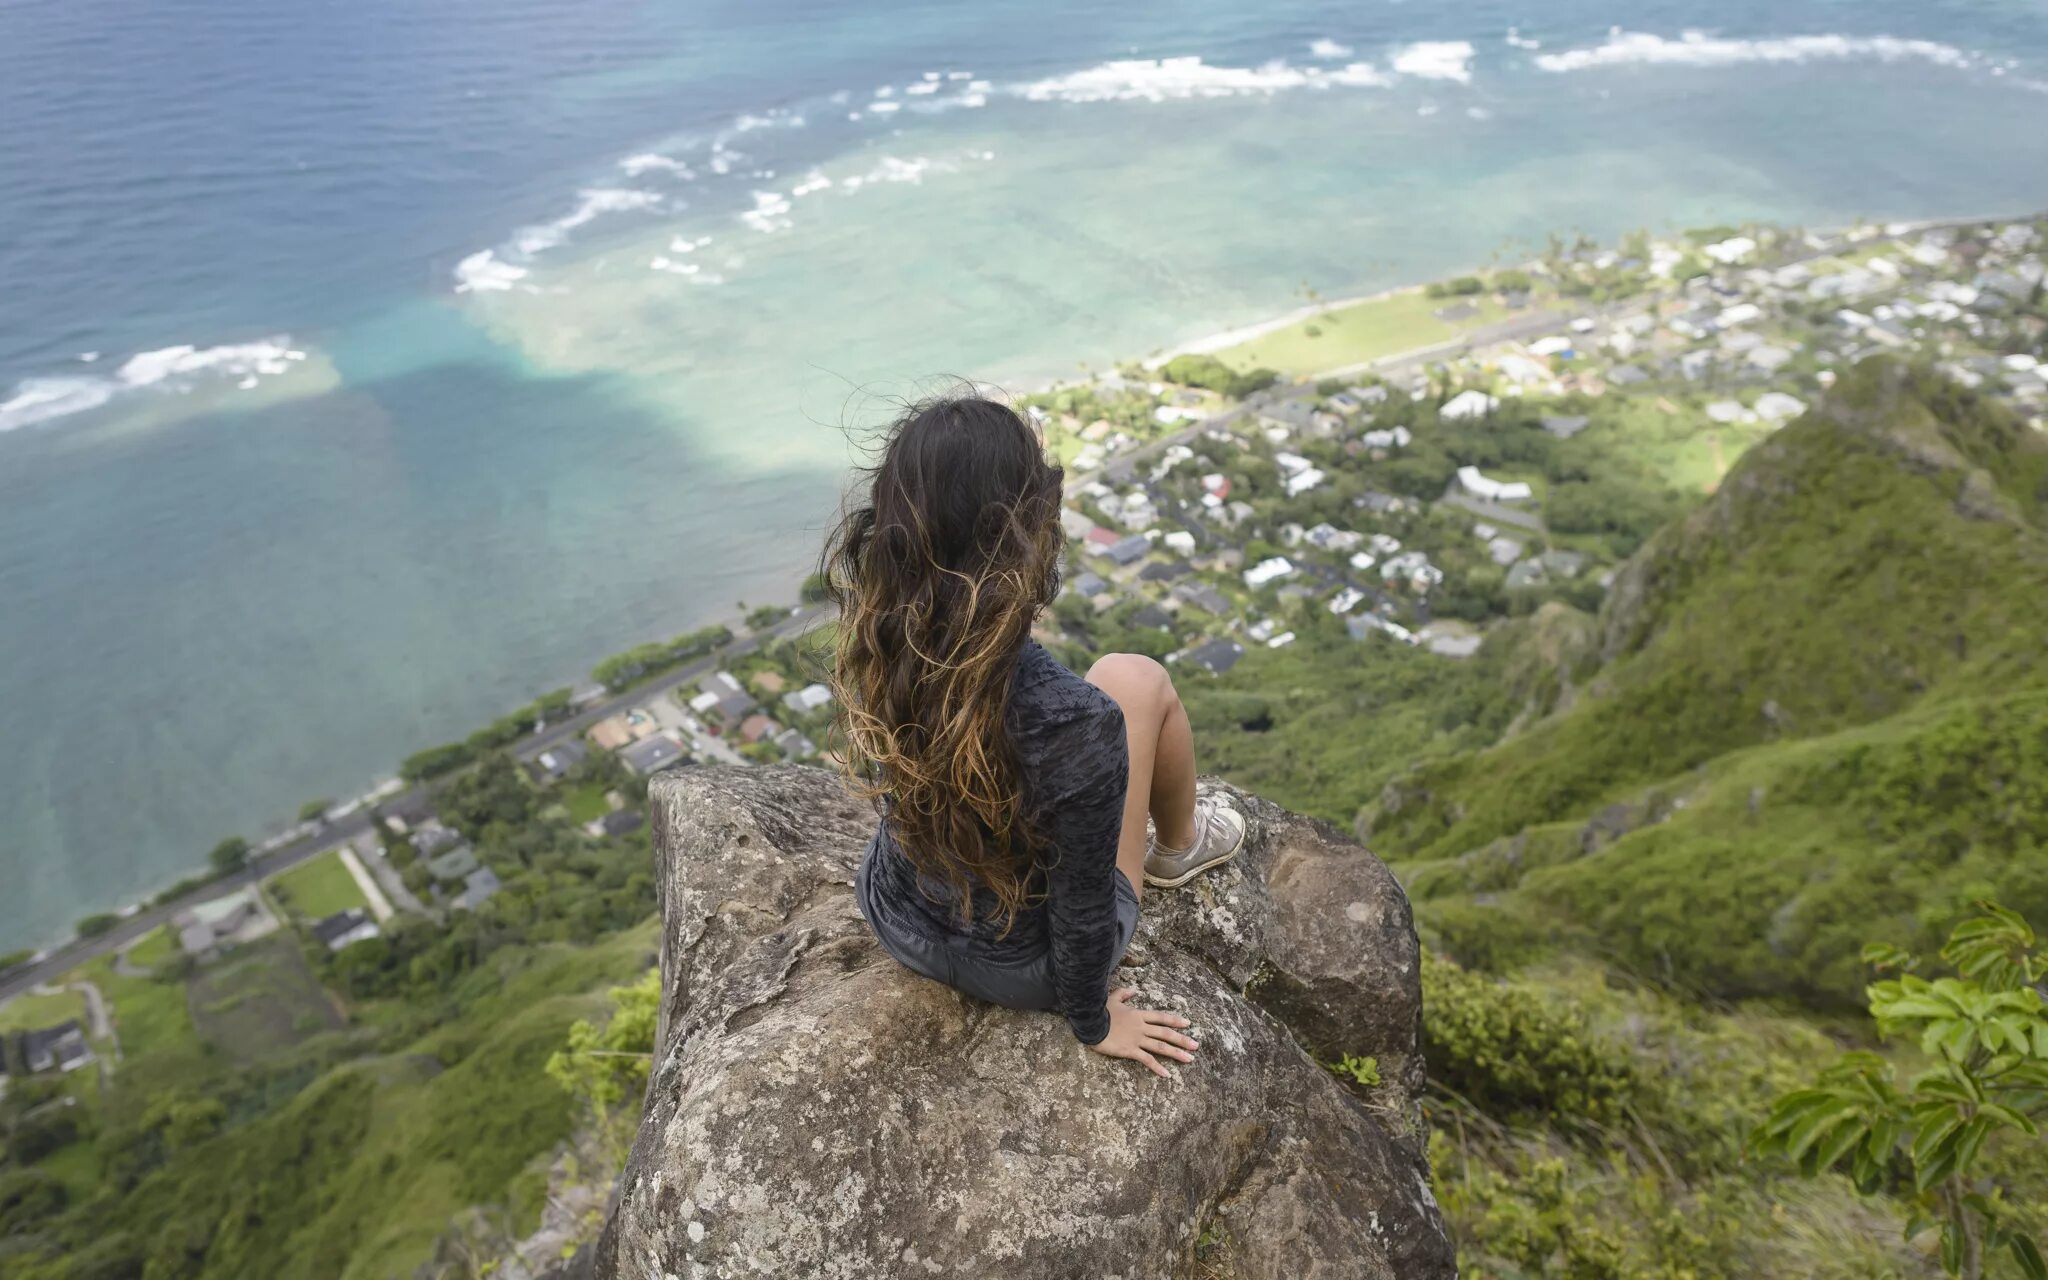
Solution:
(1302, 482)
(1480, 486)
(1268, 571)
(1469, 404)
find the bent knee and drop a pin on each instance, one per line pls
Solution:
(1132, 679)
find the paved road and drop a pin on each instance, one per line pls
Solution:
(81, 950)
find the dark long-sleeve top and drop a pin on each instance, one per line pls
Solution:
(1073, 764)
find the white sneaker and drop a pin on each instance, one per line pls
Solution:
(1219, 836)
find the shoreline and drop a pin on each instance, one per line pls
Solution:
(381, 789)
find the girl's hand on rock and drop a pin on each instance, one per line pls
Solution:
(1144, 1035)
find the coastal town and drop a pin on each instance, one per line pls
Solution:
(1518, 436)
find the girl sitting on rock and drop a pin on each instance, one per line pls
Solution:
(1022, 806)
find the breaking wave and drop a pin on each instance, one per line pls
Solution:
(1698, 49)
(179, 368)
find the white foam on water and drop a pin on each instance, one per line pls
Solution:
(181, 369)
(45, 399)
(484, 272)
(1325, 48)
(1436, 60)
(87, 357)
(1520, 41)
(649, 162)
(922, 87)
(770, 212)
(1168, 79)
(1698, 49)
(592, 204)
(814, 182)
(1479, 113)
(884, 108)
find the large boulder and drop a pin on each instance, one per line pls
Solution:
(816, 1111)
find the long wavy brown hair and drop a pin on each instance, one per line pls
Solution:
(941, 562)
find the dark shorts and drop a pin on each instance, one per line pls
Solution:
(1025, 984)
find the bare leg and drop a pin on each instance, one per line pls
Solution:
(1162, 756)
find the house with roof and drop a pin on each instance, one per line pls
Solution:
(1361, 625)
(1151, 615)
(1486, 489)
(1165, 571)
(1328, 537)
(1216, 656)
(345, 929)
(807, 699)
(1471, 403)
(794, 745)
(1303, 481)
(556, 762)
(1565, 425)
(433, 836)
(59, 1048)
(409, 811)
(618, 822)
(477, 889)
(610, 733)
(1413, 568)
(1267, 571)
(650, 754)
(1290, 416)
(1562, 562)
(1201, 595)
(721, 696)
(756, 727)
(1503, 551)
(454, 865)
(1626, 375)
(1128, 550)
(226, 921)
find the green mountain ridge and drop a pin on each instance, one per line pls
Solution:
(1816, 716)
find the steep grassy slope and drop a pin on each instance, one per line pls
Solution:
(1819, 715)
(364, 1169)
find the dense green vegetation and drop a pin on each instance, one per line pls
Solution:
(1653, 837)
(1810, 715)
(290, 1112)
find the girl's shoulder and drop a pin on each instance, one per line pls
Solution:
(1049, 700)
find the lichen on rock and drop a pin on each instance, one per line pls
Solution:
(815, 1110)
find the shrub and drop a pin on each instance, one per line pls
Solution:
(1508, 1053)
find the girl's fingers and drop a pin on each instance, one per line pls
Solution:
(1173, 1051)
(1163, 1018)
(1151, 1062)
(1174, 1038)
(1122, 995)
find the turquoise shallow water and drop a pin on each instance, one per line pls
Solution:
(429, 503)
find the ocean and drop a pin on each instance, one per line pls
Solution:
(367, 369)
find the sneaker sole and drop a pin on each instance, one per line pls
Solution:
(1175, 882)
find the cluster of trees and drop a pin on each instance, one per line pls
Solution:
(1212, 374)
(646, 660)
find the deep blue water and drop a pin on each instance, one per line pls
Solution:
(216, 602)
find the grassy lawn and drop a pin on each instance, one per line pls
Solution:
(1691, 451)
(149, 1015)
(153, 950)
(260, 1000)
(1363, 331)
(586, 802)
(28, 1011)
(318, 889)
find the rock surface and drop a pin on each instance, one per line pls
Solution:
(817, 1111)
